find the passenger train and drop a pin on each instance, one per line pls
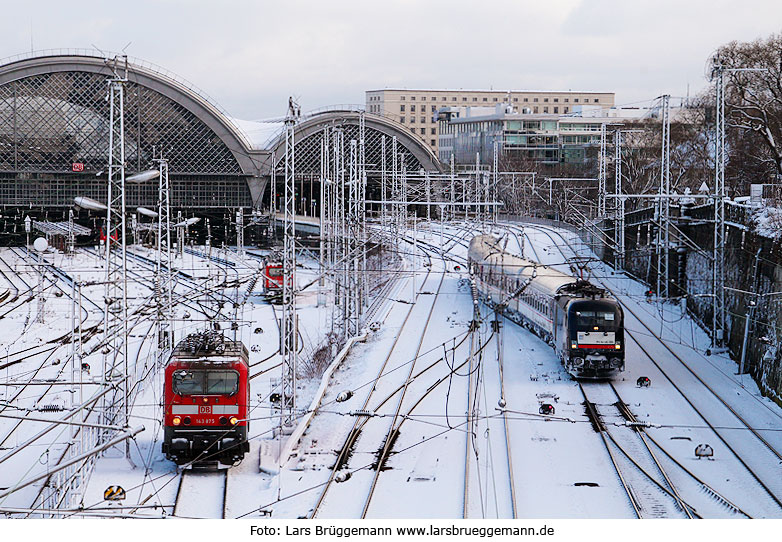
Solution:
(585, 327)
(207, 395)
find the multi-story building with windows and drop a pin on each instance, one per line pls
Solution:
(548, 138)
(417, 108)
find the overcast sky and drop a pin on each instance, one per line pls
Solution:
(249, 56)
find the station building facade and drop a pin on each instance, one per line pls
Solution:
(54, 139)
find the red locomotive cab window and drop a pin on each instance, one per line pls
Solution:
(274, 272)
(186, 382)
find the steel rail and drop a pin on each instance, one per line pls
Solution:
(754, 475)
(359, 423)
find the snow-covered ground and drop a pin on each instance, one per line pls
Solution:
(469, 440)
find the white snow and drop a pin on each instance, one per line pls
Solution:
(553, 466)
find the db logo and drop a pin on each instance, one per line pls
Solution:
(204, 409)
(77, 166)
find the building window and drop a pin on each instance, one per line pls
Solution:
(567, 100)
(434, 131)
(434, 109)
(434, 98)
(566, 110)
(556, 109)
(475, 99)
(433, 143)
(423, 98)
(535, 109)
(412, 120)
(556, 100)
(545, 109)
(485, 99)
(402, 108)
(402, 120)
(526, 99)
(402, 98)
(494, 99)
(595, 100)
(412, 98)
(423, 120)
(515, 99)
(452, 99)
(464, 98)
(575, 100)
(423, 131)
(534, 99)
(444, 99)
(412, 109)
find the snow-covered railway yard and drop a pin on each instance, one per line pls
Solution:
(418, 418)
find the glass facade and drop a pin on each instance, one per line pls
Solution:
(547, 140)
(50, 122)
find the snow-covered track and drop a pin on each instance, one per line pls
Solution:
(360, 421)
(637, 466)
(393, 428)
(201, 493)
(711, 407)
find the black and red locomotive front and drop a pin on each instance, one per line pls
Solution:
(207, 395)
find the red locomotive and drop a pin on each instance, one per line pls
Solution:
(273, 280)
(207, 395)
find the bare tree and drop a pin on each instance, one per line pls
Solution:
(754, 98)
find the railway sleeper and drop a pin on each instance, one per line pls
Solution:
(344, 455)
(594, 417)
(384, 452)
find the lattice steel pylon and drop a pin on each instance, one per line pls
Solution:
(362, 214)
(718, 268)
(492, 195)
(288, 328)
(664, 203)
(240, 232)
(163, 282)
(116, 295)
(353, 260)
(601, 176)
(452, 213)
(619, 217)
(396, 193)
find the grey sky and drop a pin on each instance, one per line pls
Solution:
(249, 56)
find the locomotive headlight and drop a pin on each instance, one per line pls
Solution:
(234, 420)
(618, 346)
(574, 345)
(177, 420)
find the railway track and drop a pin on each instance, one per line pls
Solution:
(393, 428)
(398, 405)
(139, 318)
(201, 493)
(480, 378)
(360, 421)
(711, 408)
(649, 489)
